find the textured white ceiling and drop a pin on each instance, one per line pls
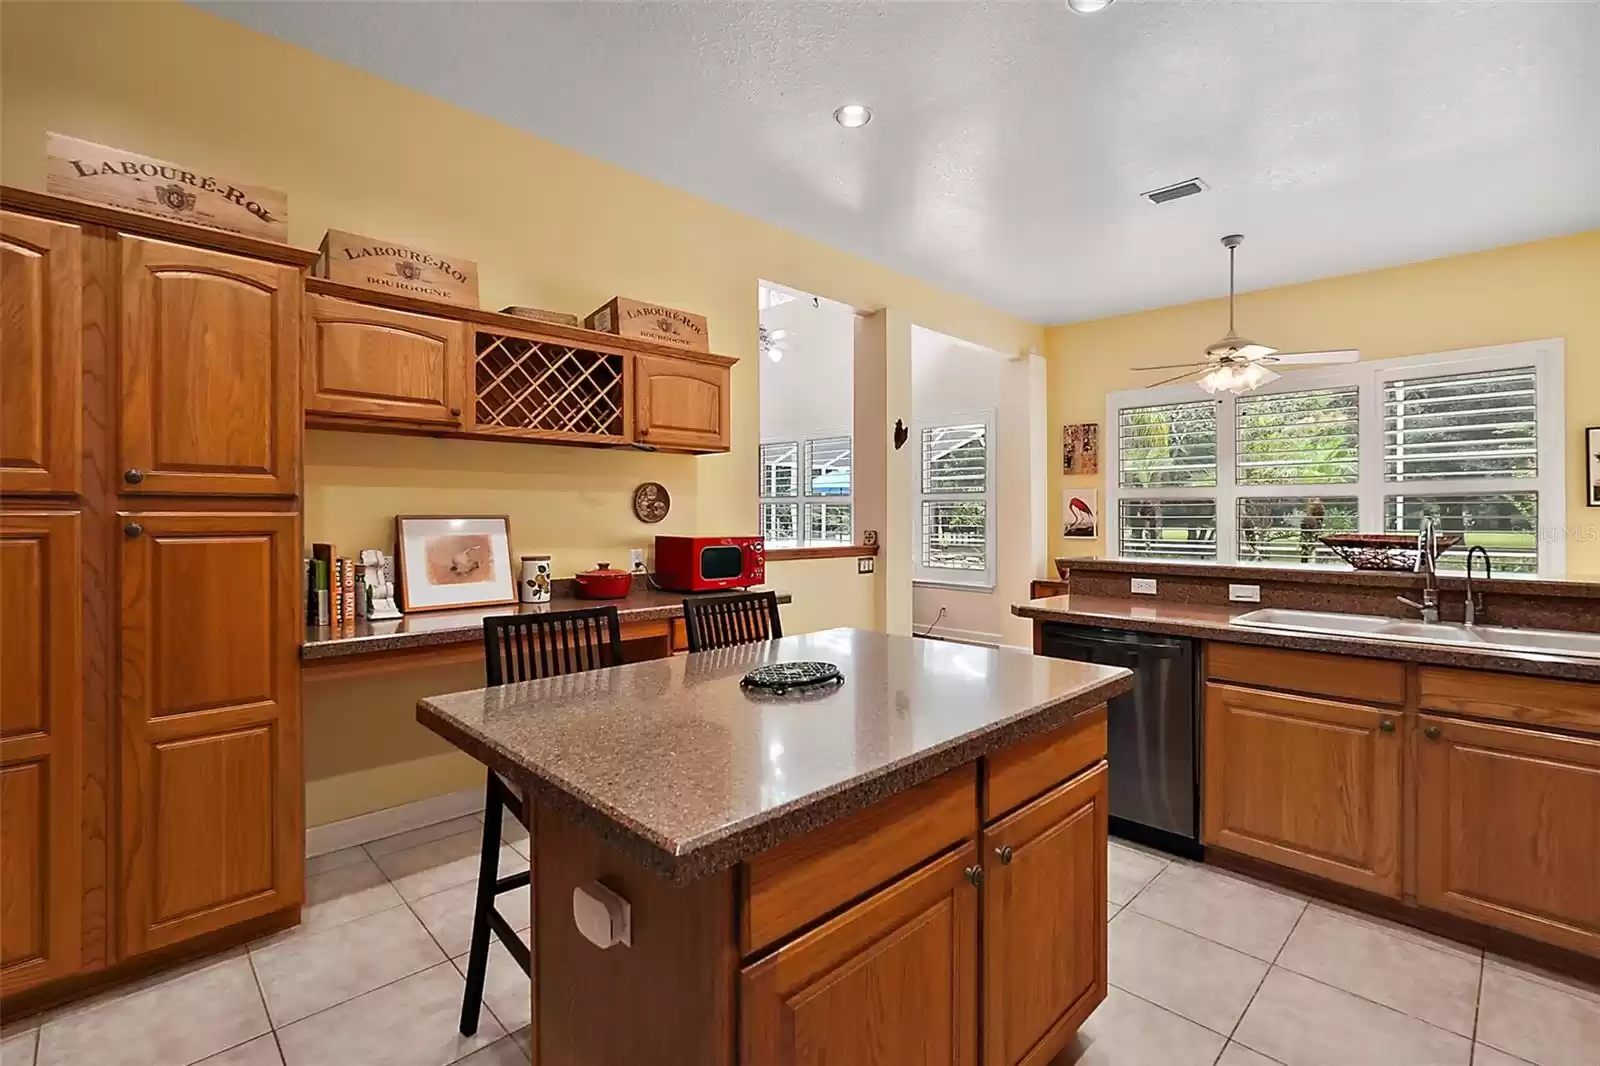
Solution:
(1011, 140)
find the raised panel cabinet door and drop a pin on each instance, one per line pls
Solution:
(41, 371)
(41, 735)
(371, 362)
(1044, 921)
(1311, 784)
(1508, 829)
(210, 372)
(681, 404)
(892, 980)
(211, 809)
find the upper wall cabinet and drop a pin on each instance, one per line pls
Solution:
(373, 363)
(210, 372)
(680, 404)
(41, 378)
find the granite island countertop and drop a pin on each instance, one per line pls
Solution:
(1214, 622)
(424, 629)
(672, 761)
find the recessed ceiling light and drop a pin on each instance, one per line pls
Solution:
(1088, 7)
(853, 116)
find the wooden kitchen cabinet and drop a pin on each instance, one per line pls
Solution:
(681, 404)
(210, 795)
(41, 374)
(1308, 783)
(209, 372)
(41, 736)
(893, 979)
(367, 362)
(1508, 828)
(1044, 921)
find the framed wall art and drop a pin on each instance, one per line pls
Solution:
(1591, 453)
(448, 561)
(1080, 448)
(1080, 512)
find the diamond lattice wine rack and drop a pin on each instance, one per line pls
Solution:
(548, 389)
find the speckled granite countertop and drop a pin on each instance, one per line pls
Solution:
(675, 763)
(423, 629)
(1215, 623)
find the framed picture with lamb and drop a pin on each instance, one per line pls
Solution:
(449, 561)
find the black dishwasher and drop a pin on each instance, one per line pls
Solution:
(1153, 731)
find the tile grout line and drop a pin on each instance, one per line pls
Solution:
(1477, 1007)
(1271, 965)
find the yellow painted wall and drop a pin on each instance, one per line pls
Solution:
(547, 226)
(1522, 292)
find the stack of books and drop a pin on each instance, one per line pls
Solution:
(330, 587)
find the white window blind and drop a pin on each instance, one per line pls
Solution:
(955, 501)
(1483, 425)
(1167, 445)
(805, 493)
(1473, 439)
(1298, 438)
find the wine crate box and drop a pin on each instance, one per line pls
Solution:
(98, 173)
(560, 318)
(651, 322)
(386, 266)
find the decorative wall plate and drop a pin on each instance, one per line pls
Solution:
(651, 502)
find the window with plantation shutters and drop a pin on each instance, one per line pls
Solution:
(1472, 440)
(805, 493)
(955, 501)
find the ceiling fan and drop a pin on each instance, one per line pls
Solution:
(1235, 364)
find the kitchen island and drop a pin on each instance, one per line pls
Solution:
(807, 876)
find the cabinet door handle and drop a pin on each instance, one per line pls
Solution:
(132, 529)
(1005, 854)
(455, 412)
(1432, 732)
(974, 874)
(1386, 726)
(133, 477)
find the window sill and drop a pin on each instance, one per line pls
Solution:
(954, 586)
(829, 551)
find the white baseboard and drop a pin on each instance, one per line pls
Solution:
(960, 636)
(374, 825)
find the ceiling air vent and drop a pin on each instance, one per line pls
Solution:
(1175, 192)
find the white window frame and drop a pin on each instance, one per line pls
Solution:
(1548, 357)
(940, 577)
(802, 444)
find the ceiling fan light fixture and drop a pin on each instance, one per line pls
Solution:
(1236, 378)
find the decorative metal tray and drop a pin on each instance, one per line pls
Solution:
(782, 678)
(1383, 551)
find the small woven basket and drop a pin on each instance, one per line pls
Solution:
(1383, 551)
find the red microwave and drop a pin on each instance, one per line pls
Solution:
(706, 564)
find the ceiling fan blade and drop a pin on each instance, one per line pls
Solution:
(1175, 377)
(1175, 366)
(1347, 355)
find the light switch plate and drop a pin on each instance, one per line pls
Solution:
(1244, 593)
(865, 564)
(1144, 586)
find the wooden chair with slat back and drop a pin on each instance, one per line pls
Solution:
(524, 647)
(738, 618)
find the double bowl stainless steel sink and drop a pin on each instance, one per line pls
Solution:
(1444, 634)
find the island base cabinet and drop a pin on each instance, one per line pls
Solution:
(1044, 922)
(1311, 784)
(1508, 829)
(892, 980)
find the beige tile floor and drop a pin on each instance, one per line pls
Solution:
(1206, 969)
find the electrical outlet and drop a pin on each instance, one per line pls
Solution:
(1144, 586)
(865, 564)
(635, 559)
(1244, 593)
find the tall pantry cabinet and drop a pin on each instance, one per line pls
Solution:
(150, 760)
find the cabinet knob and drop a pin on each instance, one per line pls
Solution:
(1386, 726)
(1005, 854)
(132, 529)
(455, 412)
(133, 477)
(973, 874)
(1432, 732)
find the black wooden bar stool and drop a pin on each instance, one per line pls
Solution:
(737, 618)
(524, 647)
